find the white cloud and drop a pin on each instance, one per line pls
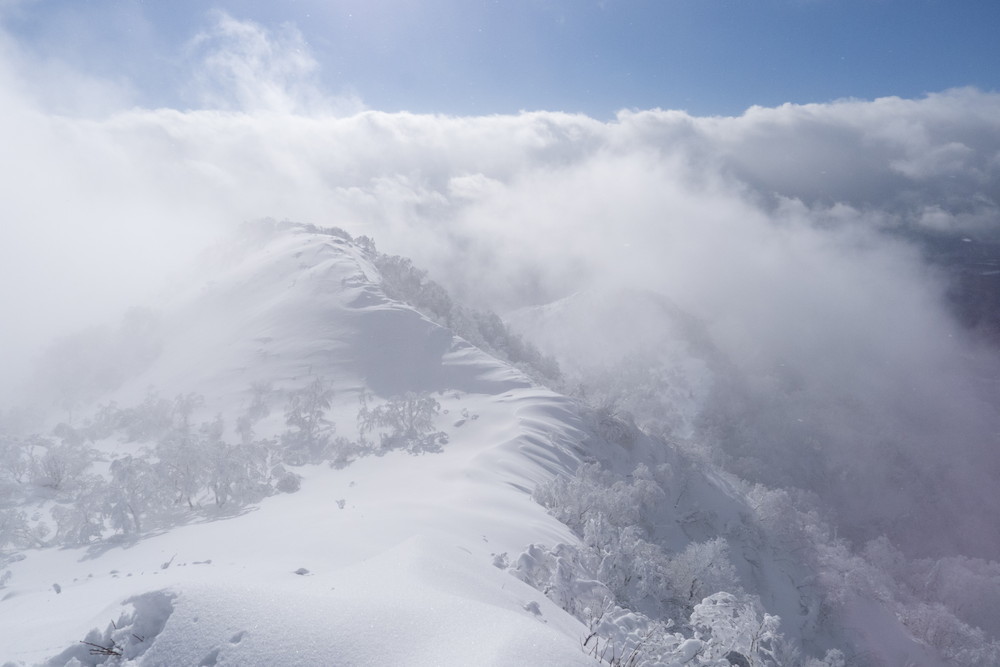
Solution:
(656, 197)
(242, 66)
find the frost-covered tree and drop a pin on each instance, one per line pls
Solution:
(258, 409)
(590, 491)
(616, 518)
(104, 422)
(16, 458)
(82, 521)
(958, 642)
(701, 569)
(133, 493)
(633, 568)
(61, 465)
(148, 420)
(236, 473)
(308, 441)
(184, 407)
(404, 282)
(183, 460)
(566, 574)
(734, 628)
(15, 530)
(405, 422)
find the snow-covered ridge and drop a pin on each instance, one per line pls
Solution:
(296, 304)
(386, 561)
(467, 515)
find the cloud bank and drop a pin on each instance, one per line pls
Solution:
(788, 232)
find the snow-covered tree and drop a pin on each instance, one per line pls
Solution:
(16, 458)
(15, 530)
(148, 420)
(60, 465)
(405, 422)
(183, 462)
(258, 409)
(734, 628)
(133, 492)
(236, 473)
(309, 439)
(700, 570)
(82, 520)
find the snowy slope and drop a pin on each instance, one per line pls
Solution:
(434, 555)
(386, 561)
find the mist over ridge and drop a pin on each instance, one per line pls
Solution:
(281, 303)
(787, 232)
(806, 297)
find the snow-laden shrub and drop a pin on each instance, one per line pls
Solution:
(703, 568)
(566, 574)
(16, 459)
(786, 520)
(61, 465)
(180, 469)
(81, 521)
(403, 422)
(721, 629)
(288, 482)
(134, 493)
(614, 424)
(258, 409)
(236, 474)
(569, 576)
(183, 463)
(404, 282)
(148, 420)
(309, 439)
(620, 569)
(958, 643)
(591, 491)
(734, 627)
(615, 518)
(968, 587)
(16, 531)
(104, 422)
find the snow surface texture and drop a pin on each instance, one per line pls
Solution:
(387, 561)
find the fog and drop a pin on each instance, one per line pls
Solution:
(786, 232)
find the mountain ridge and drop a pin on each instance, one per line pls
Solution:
(413, 490)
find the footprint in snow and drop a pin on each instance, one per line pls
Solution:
(211, 659)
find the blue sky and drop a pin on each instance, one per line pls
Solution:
(479, 57)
